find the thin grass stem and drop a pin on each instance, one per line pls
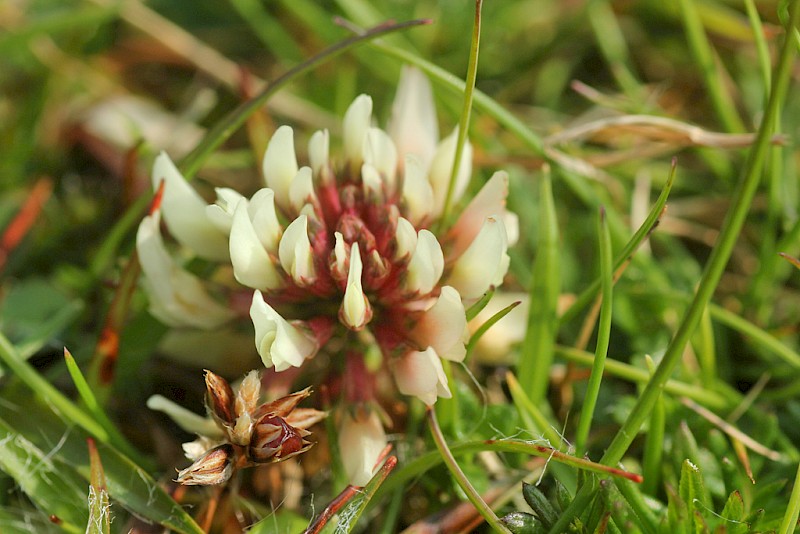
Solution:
(789, 522)
(719, 256)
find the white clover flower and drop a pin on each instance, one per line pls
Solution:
(361, 442)
(345, 246)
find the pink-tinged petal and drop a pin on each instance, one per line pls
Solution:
(252, 265)
(380, 152)
(280, 165)
(280, 343)
(444, 326)
(495, 348)
(261, 210)
(356, 311)
(301, 190)
(187, 420)
(221, 213)
(184, 212)
(426, 265)
(490, 200)
(483, 264)
(356, 124)
(296, 254)
(372, 184)
(319, 151)
(177, 298)
(413, 125)
(405, 239)
(421, 374)
(417, 192)
(442, 165)
(361, 442)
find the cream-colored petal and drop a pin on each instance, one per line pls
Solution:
(426, 265)
(184, 212)
(339, 267)
(413, 125)
(301, 191)
(380, 152)
(371, 183)
(221, 213)
(490, 200)
(187, 420)
(177, 298)
(280, 343)
(421, 374)
(296, 254)
(443, 326)
(355, 311)
(405, 238)
(361, 442)
(483, 264)
(356, 123)
(319, 150)
(252, 265)
(280, 165)
(442, 165)
(261, 210)
(417, 192)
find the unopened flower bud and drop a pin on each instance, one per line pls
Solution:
(275, 440)
(219, 398)
(214, 467)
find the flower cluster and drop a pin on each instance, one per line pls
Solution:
(344, 246)
(242, 431)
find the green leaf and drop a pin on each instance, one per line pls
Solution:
(693, 493)
(539, 504)
(733, 514)
(99, 507)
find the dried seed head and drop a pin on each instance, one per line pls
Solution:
(214, 467)
(274, 440)
(248, 394)
(219, 398)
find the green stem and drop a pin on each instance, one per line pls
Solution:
(463, 125)
(461, 478)
(793, 510)
(603, 335)
(719, 256)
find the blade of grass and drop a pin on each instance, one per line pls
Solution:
(719, 256)
(466, 110)
(536, 352)
(612, 45)
(99, 507)
(540, 422)
(491, 321)
(654, 443)
(703, 53)
(789, 523)
(603, 336)
(649, 224)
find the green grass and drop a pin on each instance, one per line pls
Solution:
(650, 266)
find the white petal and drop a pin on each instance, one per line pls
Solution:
(185, 213)
(442, 165)
(280, 164)
(339, 256)
(371, 183)
(278, 342)
(261, 210)
(413, 125)
(301, 190)
(426, 265)
(177, 298)
(484, 263)
(318, 150)
(355, 307)
(491, 199)
(252, 265)
(187, 420)
(444, 326)
(221, 213)
(379, 151)
(417, 194)
(355, 125)
(405, 238)
(421, 374)
(361, 442)
(295, 252)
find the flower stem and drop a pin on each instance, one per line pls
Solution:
(460, 477)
